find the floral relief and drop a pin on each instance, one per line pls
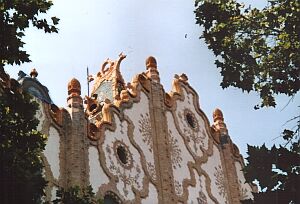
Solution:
(128, 175)
(145, 130)
(121, 131)
(178, 187)
(243, 191)
(151, 170)
(146, 133)
(220, 182)
(191, 130)
(128, 180)
(188, 99)
(202, 198)
(175, 151)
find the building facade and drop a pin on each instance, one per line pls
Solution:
(135, 143)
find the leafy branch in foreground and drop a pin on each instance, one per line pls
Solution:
(21, 167)
(21, 177)
(256, 50)
(76, 195)
(277, 170)
(15, 17)
(259, 50)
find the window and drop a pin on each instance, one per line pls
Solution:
(93, 107)
(122, 154)
(191, 120)
(111, 198)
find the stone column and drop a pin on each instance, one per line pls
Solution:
(166, 192)
(76, 154)
(227, 157)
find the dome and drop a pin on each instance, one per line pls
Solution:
(74, 87)
(218, 115)
(151, 62)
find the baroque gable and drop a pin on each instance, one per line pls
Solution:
(135, 143)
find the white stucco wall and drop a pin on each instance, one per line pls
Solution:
(198, 194)
(245, 189)
(128, 178)
(40, 114)
(180, 156)
(53, 193)
(96, 175)
(213, 167)
(152, 196)
(51, 151)
(140, 117)
(195, 138)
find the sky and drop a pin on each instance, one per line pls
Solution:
(95, 30)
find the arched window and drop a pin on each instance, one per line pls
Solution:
(111, 198)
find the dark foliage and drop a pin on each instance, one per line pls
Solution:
(256, 50)
(75, 195)
(259, 50)
(21, 179)
(278, 172)
(15, 17)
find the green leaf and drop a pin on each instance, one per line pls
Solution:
(55, 20)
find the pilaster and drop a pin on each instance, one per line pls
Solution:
(76, 168)
(166, 192)
(227, 157)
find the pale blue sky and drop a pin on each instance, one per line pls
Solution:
(91, 31)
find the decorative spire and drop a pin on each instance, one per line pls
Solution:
(109, 76)
(152, 71)
(74, 90)
(219, 124)
(218, 115)
(34, 73)
(183, 77)
(151, 62)
(74, 87)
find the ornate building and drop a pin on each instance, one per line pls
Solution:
(135, 143)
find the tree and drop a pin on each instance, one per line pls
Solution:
(278, 173)
(76, 195)
(15, 17)
(21, 178)
(256, 50)
(259, 50)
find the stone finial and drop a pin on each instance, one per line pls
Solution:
(107, 117)
(151, 62)
(218, 115)
(183, 77)
(74, 87)
(152, 71)
(34, 73)
(219, 124)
